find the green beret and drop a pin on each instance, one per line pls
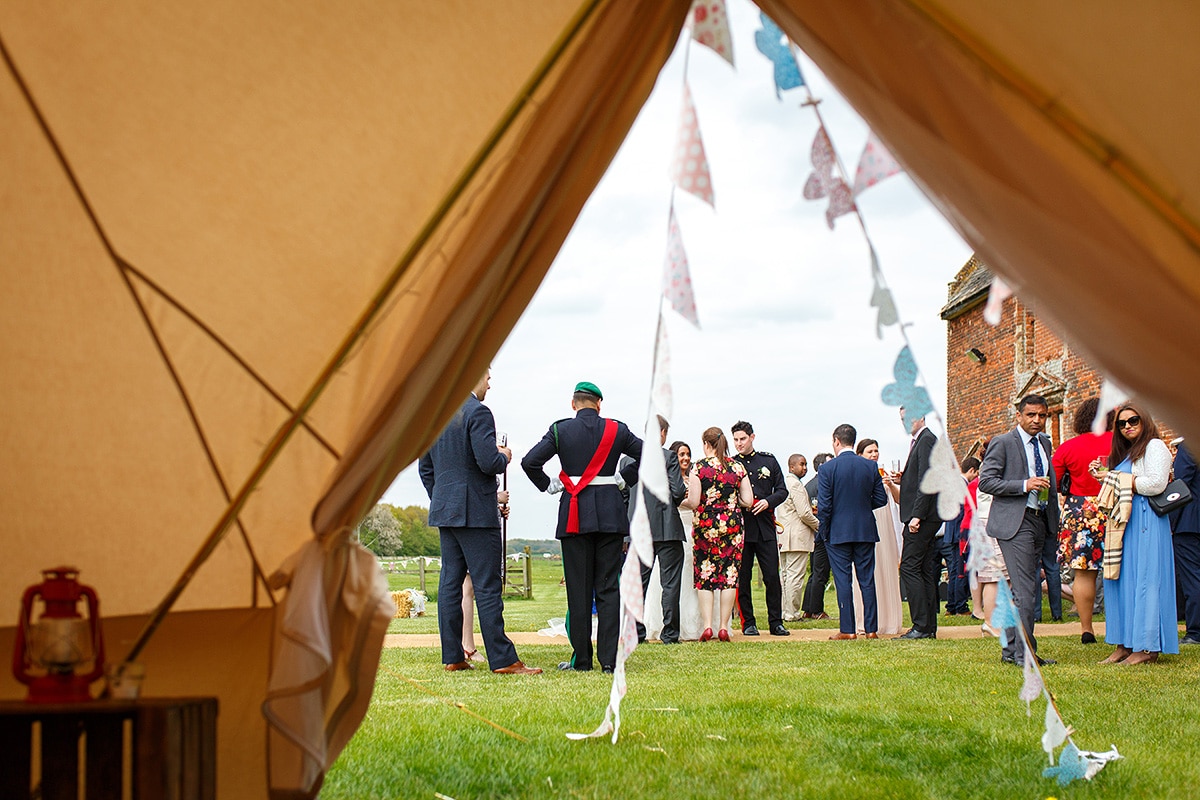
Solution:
(589, 387)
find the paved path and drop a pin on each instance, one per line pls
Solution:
(806, 635)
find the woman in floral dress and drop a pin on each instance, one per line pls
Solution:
(1081, 540)
(716, 489)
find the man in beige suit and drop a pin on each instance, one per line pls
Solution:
(796, 539)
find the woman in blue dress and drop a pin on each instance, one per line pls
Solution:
(1139, 606)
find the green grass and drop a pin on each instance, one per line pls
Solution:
(774, 719)
(865, 719)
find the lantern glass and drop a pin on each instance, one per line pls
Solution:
(59, 645)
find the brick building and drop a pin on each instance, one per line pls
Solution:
(989, 368)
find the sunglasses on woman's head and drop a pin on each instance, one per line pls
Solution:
(1129, 422)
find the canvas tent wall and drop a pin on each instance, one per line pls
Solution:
(255, 254)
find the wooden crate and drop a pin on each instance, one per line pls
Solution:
(146, 749)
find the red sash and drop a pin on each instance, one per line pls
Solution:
(593, 469)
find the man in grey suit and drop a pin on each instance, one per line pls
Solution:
(1018, 473)
(459, 473)
(666, 529)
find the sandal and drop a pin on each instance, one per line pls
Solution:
(473, 655)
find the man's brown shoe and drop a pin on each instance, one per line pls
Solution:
(458, 666)
(872, 635)
(517, 668)
(838, 636)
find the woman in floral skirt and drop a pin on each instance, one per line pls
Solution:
(718, 489)
(1081, 540)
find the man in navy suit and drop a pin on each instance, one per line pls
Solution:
(1185, 525)
(459, 473)
(849, 490)
(592, 520)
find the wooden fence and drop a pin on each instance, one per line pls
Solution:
(518, 572)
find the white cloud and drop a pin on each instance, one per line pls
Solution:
(788, 339)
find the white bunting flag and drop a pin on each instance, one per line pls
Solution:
(997, 294)
(710, 27)
(677, 278)
(1111, 396)
(875, 165)
(944, 479)
(689, 170)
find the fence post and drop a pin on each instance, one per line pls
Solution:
(421, 566)
(528, 588)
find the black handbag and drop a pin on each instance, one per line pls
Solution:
(1175, 496)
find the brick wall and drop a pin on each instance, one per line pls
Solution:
(1023, 356)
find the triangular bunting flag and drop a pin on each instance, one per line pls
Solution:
(997, 294)
(881, 298)
(689, 170)
(771, 42)
(1056, 732)
(1111, 396)
(662, 397)
(677, 279)
(710, 27)
(875, 164)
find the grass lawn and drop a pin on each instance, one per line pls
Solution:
(769, 719)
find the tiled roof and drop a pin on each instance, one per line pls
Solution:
(969, 289)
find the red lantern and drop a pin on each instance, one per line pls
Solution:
(48, 650)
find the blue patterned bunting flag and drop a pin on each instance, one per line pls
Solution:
(771, 42)
(1072, 765)
(905, 392)
(1004, 615)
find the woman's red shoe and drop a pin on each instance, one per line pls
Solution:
(707, 635)
(723, 635)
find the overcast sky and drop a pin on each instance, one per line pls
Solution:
(788, 334)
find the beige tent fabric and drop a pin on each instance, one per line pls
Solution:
(1060, 139)
(254, 256)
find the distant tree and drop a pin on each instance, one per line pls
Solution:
(380, 532)
(419, 538)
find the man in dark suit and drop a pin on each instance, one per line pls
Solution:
(592, 518)
(760, 538)
(814, 591)
(849, 490)
(1018, 473)
(1185, 525)
(459, 473)
(919, 562)
(666, 529)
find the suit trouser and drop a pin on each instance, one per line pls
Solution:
(475, 551)
(592, 567)
(1023, 555)
(958, 591)
(793, 564)
(670, 570)
(860, 555)
(1053, 580)
(814, 592)
(768, 562)
(920, 568)
(1187, 572)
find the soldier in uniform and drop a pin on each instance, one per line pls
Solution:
(761, 540)
(592, 521)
